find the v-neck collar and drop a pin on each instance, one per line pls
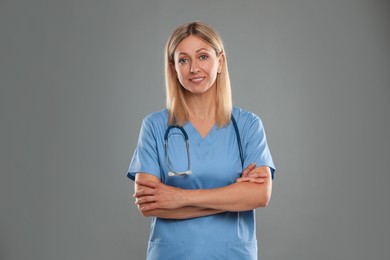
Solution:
(198, 139)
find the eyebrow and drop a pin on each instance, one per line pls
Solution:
(200, 50)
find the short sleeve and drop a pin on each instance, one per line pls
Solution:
(145, 157)
(255, 145)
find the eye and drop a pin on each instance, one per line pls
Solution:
(203, 57)
(182, 61)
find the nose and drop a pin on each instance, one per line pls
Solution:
(194, 67)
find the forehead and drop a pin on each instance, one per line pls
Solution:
(192, 44)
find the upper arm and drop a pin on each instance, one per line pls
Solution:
(266, 187)
(146, 156)
(146, 177)
(255, 145)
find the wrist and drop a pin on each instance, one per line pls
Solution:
(186, 197)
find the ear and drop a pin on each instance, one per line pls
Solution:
(221, 62)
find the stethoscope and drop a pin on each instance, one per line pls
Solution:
(172, 172)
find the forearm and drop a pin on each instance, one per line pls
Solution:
(180, 213)
(151, 209)
(235, 197)
(162, 200)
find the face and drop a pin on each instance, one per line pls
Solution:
(196, 65)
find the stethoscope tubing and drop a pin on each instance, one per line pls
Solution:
(171, 172)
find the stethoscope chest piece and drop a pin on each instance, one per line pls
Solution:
(172, 172)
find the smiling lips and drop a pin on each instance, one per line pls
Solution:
(197, 79)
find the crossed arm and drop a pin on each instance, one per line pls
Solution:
(251, 191)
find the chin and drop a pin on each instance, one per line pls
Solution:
(198, 90)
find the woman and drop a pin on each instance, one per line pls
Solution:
(201, 196)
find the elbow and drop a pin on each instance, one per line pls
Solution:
(264, 201)
(146, 213)
(265, 196)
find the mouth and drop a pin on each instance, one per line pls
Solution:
(197, 79)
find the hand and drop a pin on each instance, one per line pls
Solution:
(154, 195)
(252, 174)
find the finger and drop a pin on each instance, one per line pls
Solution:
(251, 166)
(243, 179)
(144, 199)
(147, 206)
(250, 179)
(150, 184)
(144, 192)
(248, 169)
(245, 173)
(255, 180)
(258, 175)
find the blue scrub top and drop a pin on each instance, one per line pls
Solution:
(215, 162)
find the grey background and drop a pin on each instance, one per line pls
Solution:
(78, 76)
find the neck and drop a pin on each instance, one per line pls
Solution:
(202, 107)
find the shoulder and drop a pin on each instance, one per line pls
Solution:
(244, 117)
(157, 118)
(155, 123)
(248, 123)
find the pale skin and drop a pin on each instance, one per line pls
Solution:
(196, 66)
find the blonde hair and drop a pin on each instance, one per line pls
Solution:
(176, 103)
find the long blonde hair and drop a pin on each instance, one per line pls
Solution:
(176, 103)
